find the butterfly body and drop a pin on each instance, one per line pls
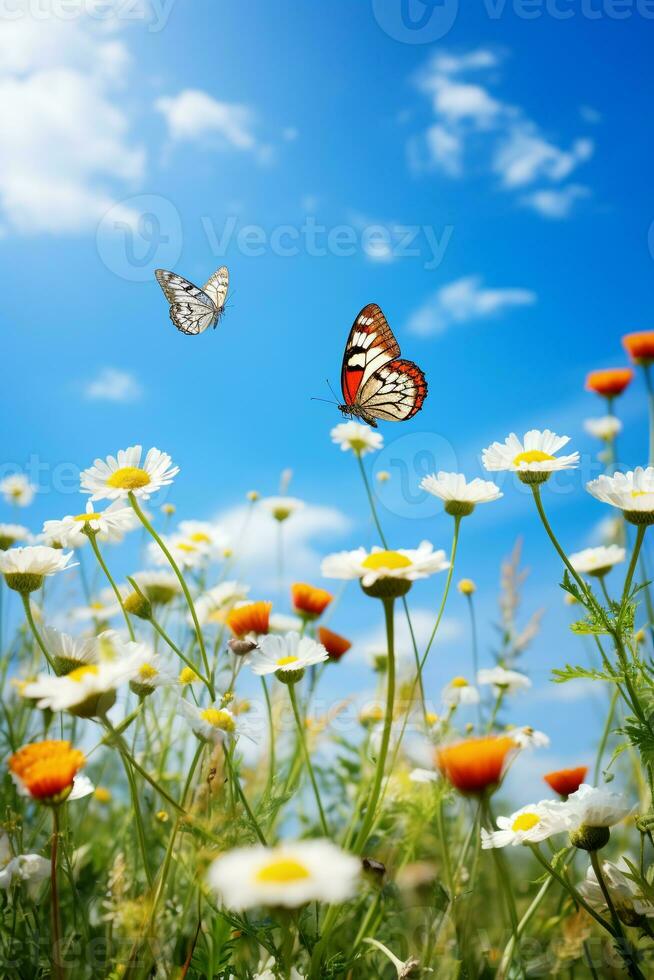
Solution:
(193, 309)
(376, 382)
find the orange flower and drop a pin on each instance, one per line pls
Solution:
(640, 346)
(253, 617)
(610, 382)
(46, 770)
(309, 601)
(476, 764)
(566, 781)
(334, 644)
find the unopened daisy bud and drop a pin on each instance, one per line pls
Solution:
(469, 728)
(570, 600)
(590, 838)
(227, 553)
(640, 636)
(226, 699)
(168, 509)
(102, 794)
(187, 676)
(241, 648)
(138, 605)
(431, 718)
(162, 816)
(467, 587)
(380, 662)
(253, 495)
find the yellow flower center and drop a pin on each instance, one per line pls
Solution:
(80, 673)
(284, 661)
(83, 518)
(358, 445)
(386, 559)
(128, 478)
(641, 493)
(458, 682)
(282, 871)
(96, 606)
(218, 718)
(147, 672)
(531, 456)
(187, 676)
(186, 546)
(431, 718)
(200, 537)
(281, 513)
(526, 821)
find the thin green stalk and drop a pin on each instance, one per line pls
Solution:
(233, 775)
(626, 952)
(91, 535)
(182, 656)
(475, 648)
(138, 817)
(180, 578)
(271, 736)
(605, 736)
(510, 947)
(54, 897)
(578, 899)
(450, 572)
(640, 534)
(35, 633)
(307, 758)
(119, 742)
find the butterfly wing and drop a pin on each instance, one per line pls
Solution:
(217, 287)
(369, 347)
(394, 392)
(192, 310)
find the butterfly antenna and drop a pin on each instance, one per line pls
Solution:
(331, 389)
(327, 401)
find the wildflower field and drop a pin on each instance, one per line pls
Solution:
(157, 821)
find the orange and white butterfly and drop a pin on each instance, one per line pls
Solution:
(376, 382)
(194, 310)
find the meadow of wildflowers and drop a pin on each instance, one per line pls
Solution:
(158, 822)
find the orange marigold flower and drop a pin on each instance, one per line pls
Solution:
(476, 764)
(309, 601)
(640, 346)
(610, 382)
(335, 644)
(252, 617)
(46, 770)
(566, 781)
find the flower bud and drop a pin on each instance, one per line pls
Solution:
(588, 838)
(138, 605)
(241, 648)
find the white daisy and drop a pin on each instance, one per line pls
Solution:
(28, 868)
(282, 508)
(286, 656)
(11, 533)
(423, 776)
(213, 537)
(160, 587)
(102, 608)
(529, 738)
(213, 605)
(68, 652)
(597, 561)
(110, 525)
(529, 825)
(148, 669)
(283, 623)
(632, 493)
(606, 428)
(404, 564)
(502, 679)
(117, 476)
(289, 875)
(268, 972)
(627, 898)
(185, 553)
(25, 568)
(361, 439)
(533, 458)
(17, 490)
(594, 806)
(86, 692)
(215, 724)
(459, 691)
(459, 496)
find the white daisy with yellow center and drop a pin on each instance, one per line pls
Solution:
(186, 553)
(597, 561)
(596, 806)
(533, 457)
(460, 496)
(109, 524)
(160, 587)
(17, 490)
(208, 535)
(503, 680)
(459, 691)
(10, 534)
(215, 723)
(68, 652)
(606, 428)
(214, 604)
(87, 691)
(281, 508)
(117, 476)
(631, 492)
(286, 656)
(380, 565)
(289, 875)
(528, 825)
(148, 669)
(25, 568)
(101, 608)
(357, 438)
(527, 737)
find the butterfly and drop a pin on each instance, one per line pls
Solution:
(194, 310)
(376, 382)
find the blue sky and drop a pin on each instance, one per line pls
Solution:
(514, 149)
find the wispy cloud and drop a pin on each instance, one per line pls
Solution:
(112, 385)
(474, 129)
(195, 116)
(463, 301)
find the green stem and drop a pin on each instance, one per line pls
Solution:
(180, 578)
(239, 790)
(91, 535)
(271, 736)
(182, 656)
(624, 948)
(119, 742)
(450, 572)
(54, 896)
(605, 735)
(307, 758)
(578, 899)
(640, 534)
(32, 625)
(475, 649)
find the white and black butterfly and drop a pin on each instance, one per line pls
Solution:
(194, 310)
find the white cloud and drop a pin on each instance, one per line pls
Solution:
(112, 385)
(195, 116)
(554, 202)
(65, 141)
(463, 301)
(474, 129)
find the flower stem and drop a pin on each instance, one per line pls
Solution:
(91, 535)
(624, 948)
(32, 625)
(236, 782)
(446, 590)
(180, 578)
(182, 656)
(271, 734)
(640, 534)
(56, 914)
(577, 898)
(119, 742)
(475, 649)
(605, 735)
(307, 758)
